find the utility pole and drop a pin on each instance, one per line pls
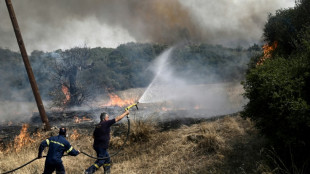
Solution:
(23, 52)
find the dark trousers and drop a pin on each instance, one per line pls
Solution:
(106, 163)
(50, 168)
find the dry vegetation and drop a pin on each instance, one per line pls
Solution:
(224, 145)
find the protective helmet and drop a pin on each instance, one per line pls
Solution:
(62, 131)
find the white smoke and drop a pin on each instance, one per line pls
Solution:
(179, 93)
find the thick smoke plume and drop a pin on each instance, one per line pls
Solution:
(49, 25)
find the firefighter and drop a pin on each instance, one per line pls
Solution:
(101, 142)
(57, 146)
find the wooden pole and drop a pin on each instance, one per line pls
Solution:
(23, 52)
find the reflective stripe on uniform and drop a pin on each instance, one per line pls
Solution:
(69, 149)
(47, 142)
(105, 165)
(58, 143)
(96, 166)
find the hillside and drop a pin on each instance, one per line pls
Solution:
(223, 145)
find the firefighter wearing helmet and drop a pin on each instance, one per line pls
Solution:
(57, 146)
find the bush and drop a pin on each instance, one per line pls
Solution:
(141, 130)
(278, 89)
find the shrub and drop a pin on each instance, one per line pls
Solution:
(141, 130)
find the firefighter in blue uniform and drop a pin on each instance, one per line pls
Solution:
(57, 146)
(101, 142)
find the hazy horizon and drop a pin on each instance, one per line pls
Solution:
(52, 25)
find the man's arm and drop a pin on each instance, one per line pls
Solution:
(118, 118)
(43, 144)
(70, 150)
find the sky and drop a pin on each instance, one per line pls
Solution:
(48, 25)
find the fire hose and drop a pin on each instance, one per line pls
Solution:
(125, 141)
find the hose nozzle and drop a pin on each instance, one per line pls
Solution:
(135, 104)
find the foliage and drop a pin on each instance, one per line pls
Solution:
(89, 71)
(278, 89)
(68, 65)
(285, 26)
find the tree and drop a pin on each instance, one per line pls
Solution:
(69, 91)
(278, 88)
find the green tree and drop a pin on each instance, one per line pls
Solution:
(278, 89)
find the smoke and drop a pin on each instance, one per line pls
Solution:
(178, 92)
(49, 25)
(16, 110)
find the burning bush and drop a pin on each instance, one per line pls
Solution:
(75, 135)
(278, 89)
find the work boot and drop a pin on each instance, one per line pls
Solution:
(107, 170)
(86, 172)
(90, 170)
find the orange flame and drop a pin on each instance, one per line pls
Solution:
(86, 119)
(23, 138)
(164, 109)
(75, 135)
(117, 101)
(37, 134)
(267, 52)
(79, 120)
(66, 92)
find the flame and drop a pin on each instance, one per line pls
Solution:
(117, 101)
(86, 119)
(37, 134)
(75, 135)
(164, 109)
(267, 52)
(79, 120)
(23, 138)
(66, 92)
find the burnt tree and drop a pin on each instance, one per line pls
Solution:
(69, 91)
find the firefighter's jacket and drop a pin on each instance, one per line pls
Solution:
(57, 146)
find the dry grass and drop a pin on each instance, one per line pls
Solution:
(225, 145)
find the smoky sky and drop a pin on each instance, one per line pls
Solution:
(57, 24)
